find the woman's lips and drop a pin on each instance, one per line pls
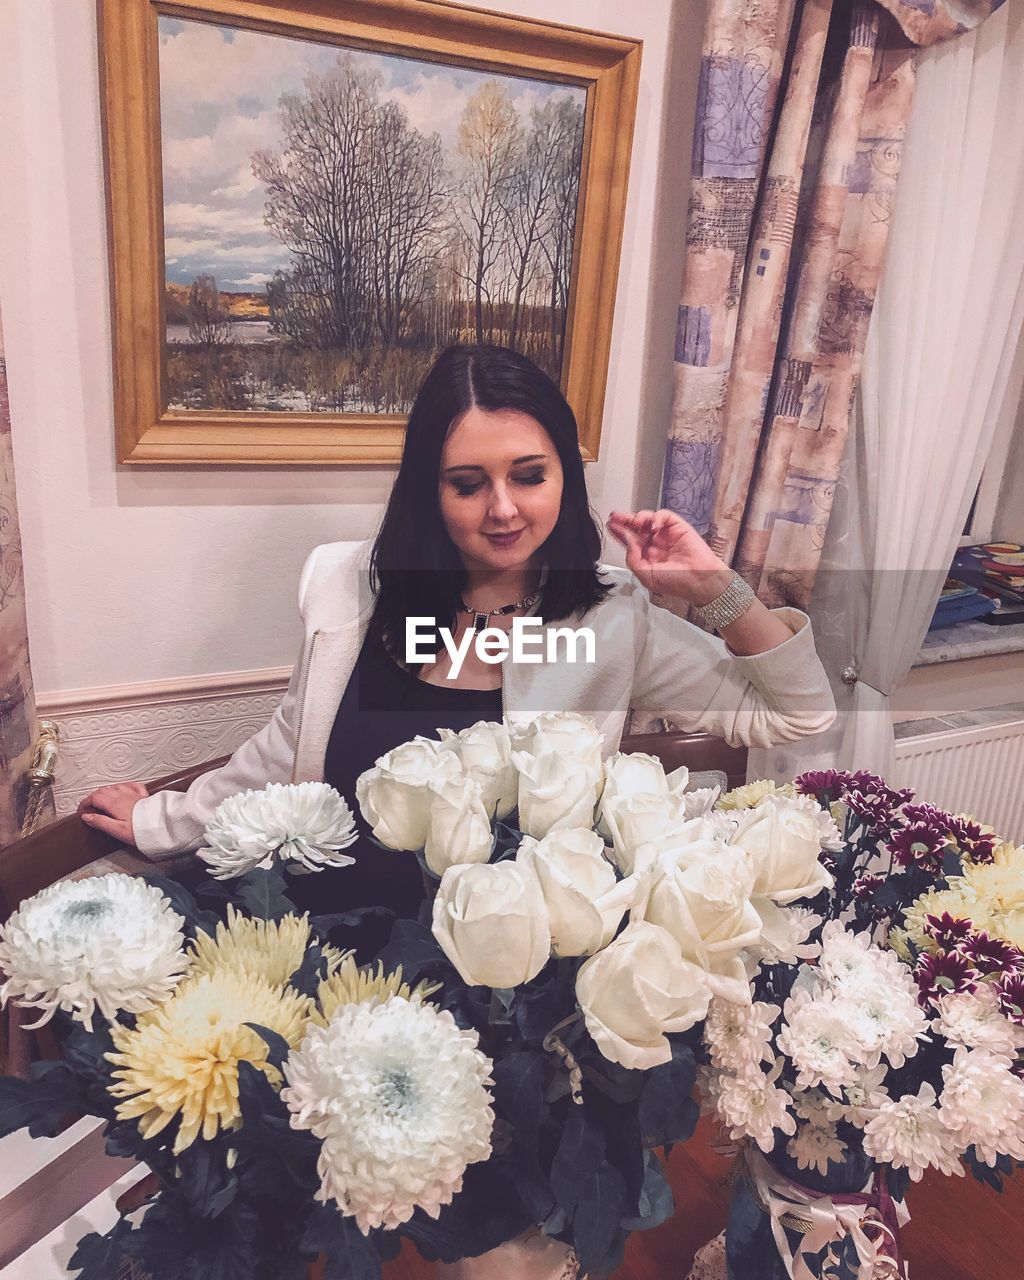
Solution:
(504, 539)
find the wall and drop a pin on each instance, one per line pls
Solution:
(155, 573)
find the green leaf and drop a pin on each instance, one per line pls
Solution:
(579, 1155)
(518, 1094)
(262, 893)
(667, 1111)
(41, 1106)
(348, 1253)
(278, 1047)
(98, 1257)
(599, 1210)
(656, 1204)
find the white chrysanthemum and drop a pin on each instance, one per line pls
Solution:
(396, 1092)
(738, 1036)
(908, 1134)
(828, 833)
(751, 794)
(110, 942)
(974, 1020)
(861, 1101)
(982, 1105)
(784, 933)
(304, 823)
(849, 961)
(886, 1020)
(813, 1106)
(752, 1106)
(819, 1038)
(816, 1146)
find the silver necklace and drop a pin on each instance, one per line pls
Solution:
(480, 620)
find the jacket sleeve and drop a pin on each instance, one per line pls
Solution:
(172, 822)
(755, 700)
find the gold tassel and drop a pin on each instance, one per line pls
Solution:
(40, 775)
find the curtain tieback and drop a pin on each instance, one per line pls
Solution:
(851, 676)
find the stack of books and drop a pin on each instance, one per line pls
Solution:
(992, 573)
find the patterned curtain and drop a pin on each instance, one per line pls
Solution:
(801, 113)
(17, 705)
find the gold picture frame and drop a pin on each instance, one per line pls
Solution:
(605, 66)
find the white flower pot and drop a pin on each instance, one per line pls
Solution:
(532, 1256)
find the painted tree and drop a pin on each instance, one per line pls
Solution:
(490, 148)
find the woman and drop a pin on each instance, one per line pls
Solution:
(488, 522)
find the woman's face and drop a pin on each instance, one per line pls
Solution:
(500, 474)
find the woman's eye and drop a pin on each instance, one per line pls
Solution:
(535, 477)
(464, 490)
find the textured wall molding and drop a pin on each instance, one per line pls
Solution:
(119, 733)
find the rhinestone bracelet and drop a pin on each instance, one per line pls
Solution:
(735, 600)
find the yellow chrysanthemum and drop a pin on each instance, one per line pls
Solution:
(897, 941)
(752, 793)
(351, 985)
(181, 1059)
(1000, 886)
(271, 949)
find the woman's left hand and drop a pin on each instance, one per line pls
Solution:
(669, 556)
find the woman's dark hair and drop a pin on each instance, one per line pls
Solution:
(415, 567)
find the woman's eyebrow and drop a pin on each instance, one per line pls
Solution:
(472, 466)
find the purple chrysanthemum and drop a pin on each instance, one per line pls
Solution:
(876, 812)
(826, 785)
(871, 784)
(920, 845)
(864, 886)
(927, 813)
(976, 844)
(948, 931)
(943, 975)
(990, 955)
(1010, 991)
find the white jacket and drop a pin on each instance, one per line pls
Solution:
(646, 657)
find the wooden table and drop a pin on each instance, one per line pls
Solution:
(959, 1229)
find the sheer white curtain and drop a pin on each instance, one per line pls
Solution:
(938, 364)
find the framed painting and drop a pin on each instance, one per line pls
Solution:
(310, 199)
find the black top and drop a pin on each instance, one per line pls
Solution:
(383, 705)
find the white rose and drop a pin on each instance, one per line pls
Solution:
(665, 822)
(702, 897)
(563, 731)
(635, 991)
(585, 899)
(491, 922)
(633, 773)
(458, 828)
(555, 790)
(394, 796)
(784, 845)
(485, 752)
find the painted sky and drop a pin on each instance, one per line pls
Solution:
(219, 89)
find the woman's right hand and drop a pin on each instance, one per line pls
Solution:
(109, 809)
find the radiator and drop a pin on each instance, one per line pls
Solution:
(975, 768)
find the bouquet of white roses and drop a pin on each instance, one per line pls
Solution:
(585, 913)
(885, 1035)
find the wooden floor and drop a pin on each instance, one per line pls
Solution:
(959, 1229)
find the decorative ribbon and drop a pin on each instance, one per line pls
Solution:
(872, 1218)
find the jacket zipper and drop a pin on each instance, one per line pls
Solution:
(301, 695)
